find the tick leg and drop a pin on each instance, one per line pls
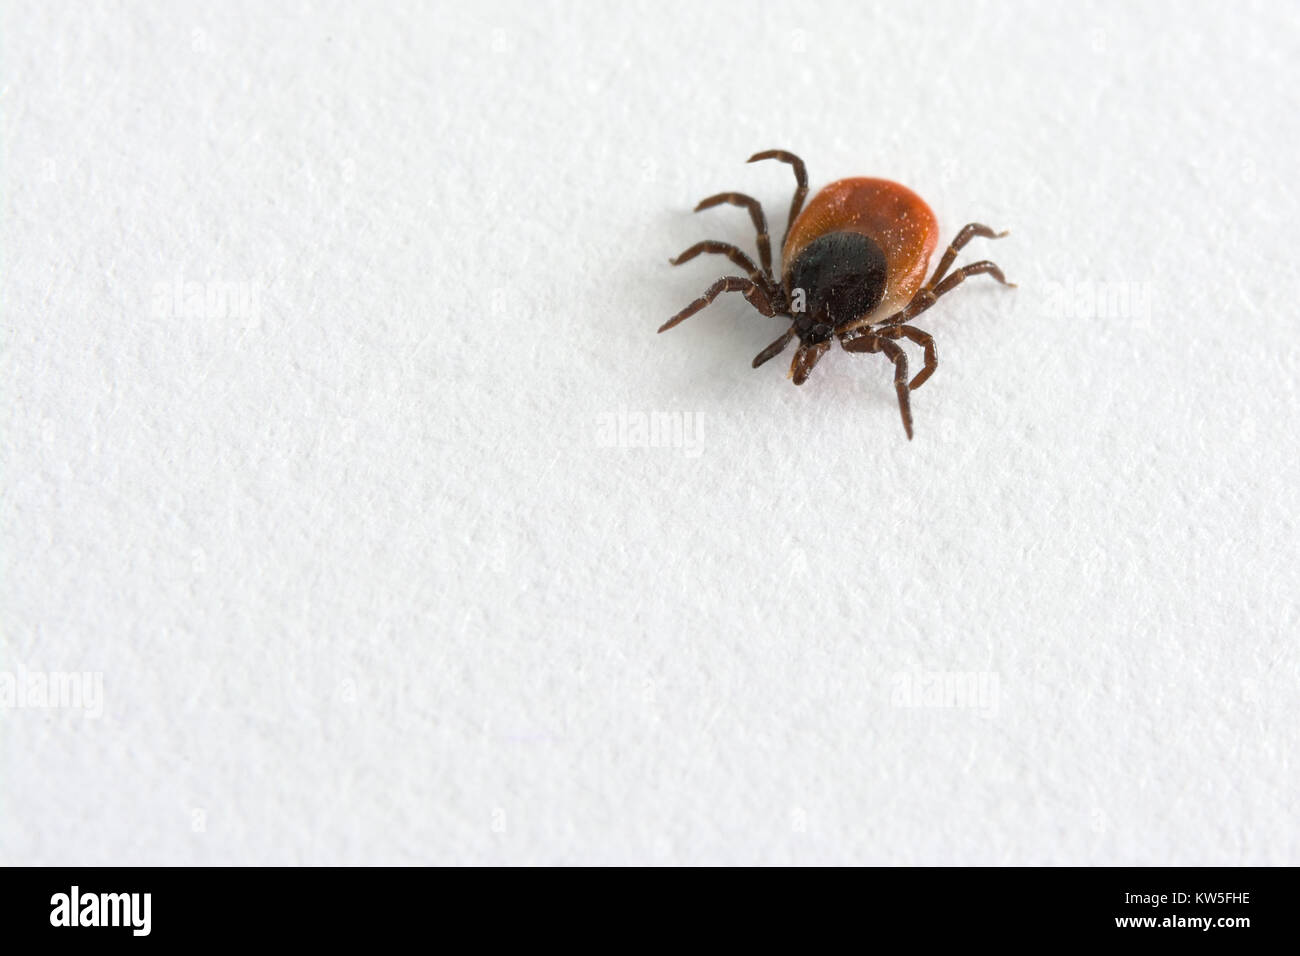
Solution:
(760, 223)
(731, 252)
(800, 178)
(875, 343)
(899, 358)
(967, 233)
(923, 339)
(927, 297)
(753, 292)
(775, 349)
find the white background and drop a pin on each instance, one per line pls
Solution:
(364, 580)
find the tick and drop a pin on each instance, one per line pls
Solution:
(853, 269)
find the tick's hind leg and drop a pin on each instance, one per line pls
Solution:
(968, 232)
(753, 292)
(800, 178)
(760, 224)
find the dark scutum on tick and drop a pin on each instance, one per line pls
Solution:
(854, 264)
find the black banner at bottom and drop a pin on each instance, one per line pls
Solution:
(113, 906)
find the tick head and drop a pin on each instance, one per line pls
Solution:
(814, 327)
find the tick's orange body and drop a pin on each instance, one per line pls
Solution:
(891, 215)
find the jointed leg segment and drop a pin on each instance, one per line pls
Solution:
(968, 232)
(931, 293)
(726, 249)
(800, 178)
(755, 213)
(753, 292)
(873, 342)
(923, 339)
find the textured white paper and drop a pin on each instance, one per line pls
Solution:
(329, 371)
